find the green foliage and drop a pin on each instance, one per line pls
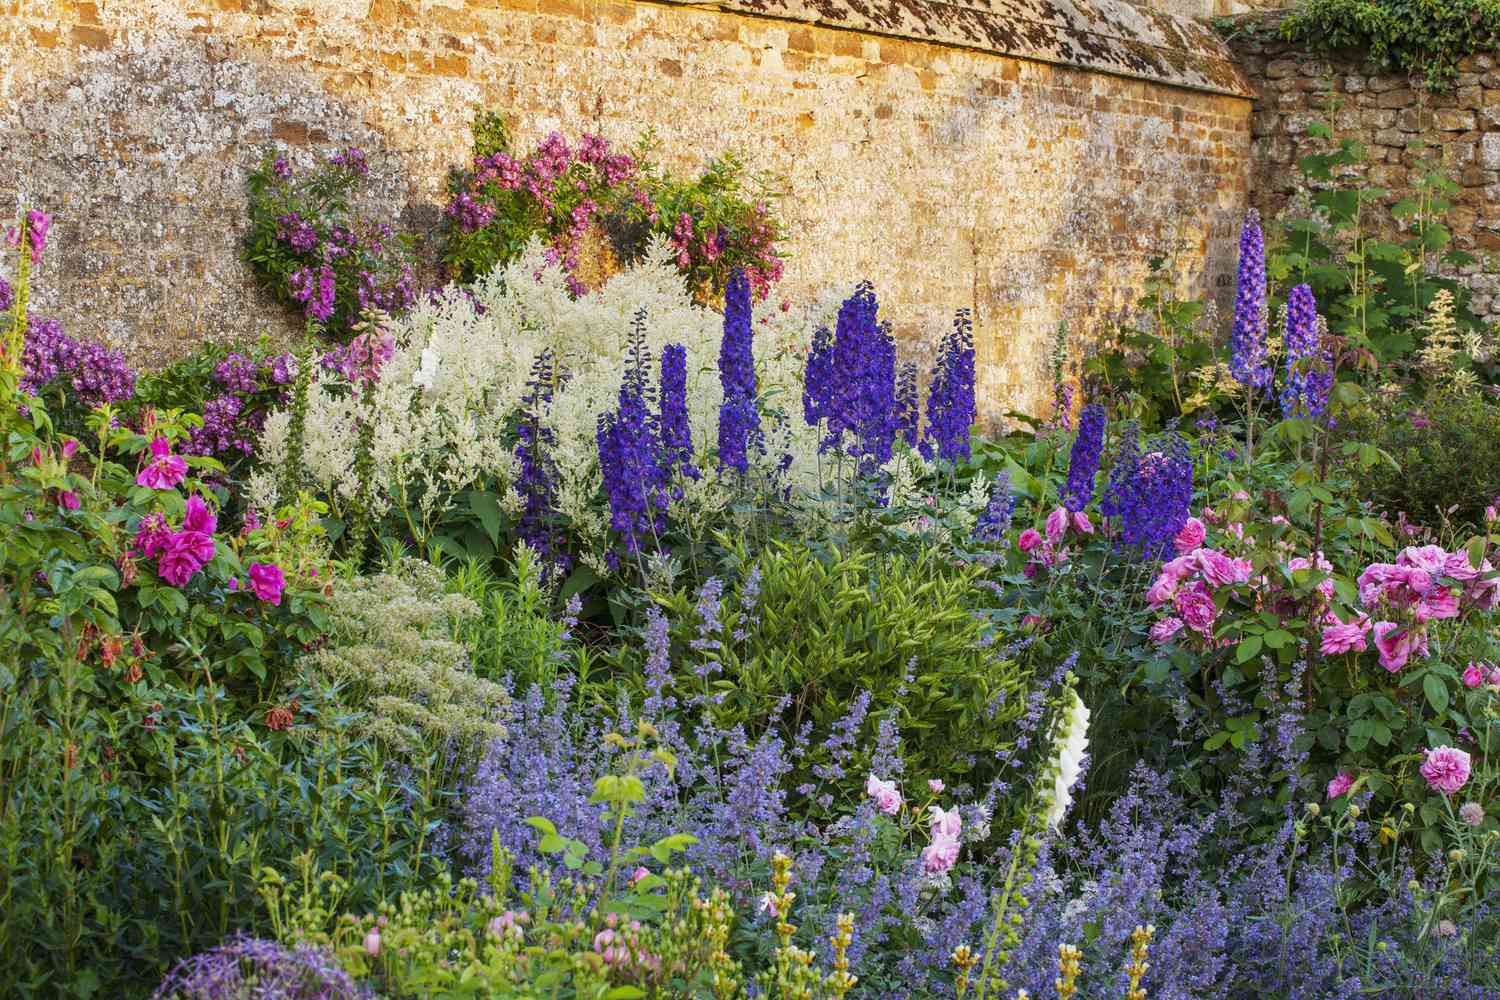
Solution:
(1374, 290)
(1447, 466)
(1429, 37)
(823, 632)
(514, 633)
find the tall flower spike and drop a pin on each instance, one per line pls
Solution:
(908, 417)
(1083, 461)
(1301, 349)
(630, 451)
(535, 483)
(1248, 339)
(739, 419)
(950, 399)
(817, 378)
(676, 434)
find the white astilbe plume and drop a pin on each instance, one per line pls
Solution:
(1071, 743)
(445, 404)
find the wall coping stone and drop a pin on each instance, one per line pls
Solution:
(1120, 37)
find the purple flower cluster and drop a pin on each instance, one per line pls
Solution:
(994, 520)
(1308, 373)
(853, 382)
(538, 524)
(1248, 339)
(244, 967)
(7, 295)
(908, 417)
(352, 160)
(739, 417)
(233, 419)
(316, 289)
(950, 397)
(1151, 493)
(676, 434)
(95, 374)
(817, 378)
(36, 225)
(630, 453)
(1083, 460)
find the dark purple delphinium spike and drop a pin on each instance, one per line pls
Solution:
(1248, 339)
(630, 450)
(908, 417)
(535, 483)
(95, 374)
(1083, 461)
(817, 380)
(1156, 501)
(1301, 348)
(676, 433)
(252, 967)
(1124, 462)
(950, 397)
(739, 418)
(994, 522)
(862, 377)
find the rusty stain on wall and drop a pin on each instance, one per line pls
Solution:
(1033, 187)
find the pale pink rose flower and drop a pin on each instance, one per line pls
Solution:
(1397, 645)
(946, 823)
(1446, 769)
(887, 797)
(1459, 568)
(1057, 525)
(935, 785)
(1431, 558)
(1082, 524)
(1345, 638)
(940, 855)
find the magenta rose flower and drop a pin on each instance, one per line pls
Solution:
(151, 535)
(1030, 539)
(267, 580)
(199, 516)
(1341, 783)
(1397, 645)
(165, 470)
(68, 499)
(179, 561)
(1164, 630)
(1446, 769)
(1057, 525)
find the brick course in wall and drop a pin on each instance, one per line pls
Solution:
(1029, 191)
(1405, 128)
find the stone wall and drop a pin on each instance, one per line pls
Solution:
(1024, 158)
(1405, 128)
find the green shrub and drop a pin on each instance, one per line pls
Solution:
(1405, 36)
(1447, 452)
(824, 633)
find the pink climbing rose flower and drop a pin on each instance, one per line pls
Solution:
(1397, 645)
(183, 554)
(199, 516)
(1165, 629)
(1446, 769)
(1190, 537)
(946, 822)
(267, 580)
(1197, 610)
(1473, 675)
(1345, 637)
(887, 797)
(940, 855)
(1030, 539)
(165, 470)
(1341, 783)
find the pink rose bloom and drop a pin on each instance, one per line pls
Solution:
(68, 499)
(1277, 519)
(1081, 523)
(1210, 515)
(1057, 525)
(1397, 645)
(1197, 610)
(179, 562)
(887, 797)
(1341, 783)
(1030, 539)
(1164, 629)
(267, 581)
(1237, 530)
(1473, 676)
(935, 785)
(940, 855)
(1345, 638)
(69, 449)
(199, 516)
(1190, 537)
(1459, 568)
(1372, 583)
(201, 546)
(1241, 495)
(1484, 594)
(946, 823)
(151, 535)
(1446, 769)
(165, 470)
(1220, 570)
(1432, 559)
(1162, 590)
(638, 874)
(1437, 605)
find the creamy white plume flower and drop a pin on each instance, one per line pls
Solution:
(425, 377)
(1071, 744)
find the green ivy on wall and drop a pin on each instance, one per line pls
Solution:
(1409, 36)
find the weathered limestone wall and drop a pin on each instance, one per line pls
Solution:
(1032, 188)
(1405, 128)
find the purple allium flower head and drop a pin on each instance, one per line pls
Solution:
(676, 434)
(244, 967)
(950, 397)
(1083, 461)
(739, 419)
(1248, 339)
